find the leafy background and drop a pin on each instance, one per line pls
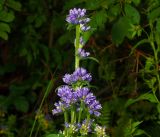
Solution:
(37, 50)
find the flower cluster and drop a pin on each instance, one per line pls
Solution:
(79, 74)
(82, 53)
(76, 100)
(83, 127)
(90, 100)
(69, 96)
(100, 131)
(77, 16)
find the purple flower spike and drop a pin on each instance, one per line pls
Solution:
(82, 53)
(75, 15)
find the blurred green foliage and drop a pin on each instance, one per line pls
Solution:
(36, 48)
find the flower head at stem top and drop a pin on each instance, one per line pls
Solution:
(78, 17)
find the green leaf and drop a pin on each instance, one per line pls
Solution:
(55, 135)
(147, 96)
(107, 3)
(158, 26)
(3, 35)
(139, 132)
(132, 13)
(136, 2)
(18, 90)
(71, 3)
(154, 14)
(21, 104)
(120, 30)
(4, 27)
(143, 41)
(114, 10)
(99, 19)
(158, 107)
(91, 58)
(14, 5)
(93, 4)
(6, 16)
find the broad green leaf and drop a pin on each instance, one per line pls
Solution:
(114, 10)
(93, 4)
(4, 27)
(21, 104)
(136, 2)
(71, 3)
(107, 3)
(154, 14)
(147, 96)
(132, 14)
(55, 135)
(99, 19)
(17, 90)
(3, 35)
(6, 16)
(120, 30)
(14, 5)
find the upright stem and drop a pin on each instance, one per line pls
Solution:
(155, 51)
(80, 112)
(77, 46)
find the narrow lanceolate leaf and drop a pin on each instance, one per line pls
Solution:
(91, 58)
(147, 96)
(138, 44)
